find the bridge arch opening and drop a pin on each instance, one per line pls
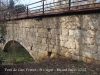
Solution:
(16, 53)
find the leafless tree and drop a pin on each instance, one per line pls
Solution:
(91, 1)
(3, 7)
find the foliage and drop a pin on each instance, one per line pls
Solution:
(11, 4)
(19, 8)
(38, 18)
(22, 56)
(2, 31)
(1, 59)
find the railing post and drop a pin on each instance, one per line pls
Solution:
(43, 7)
(69, 4)
(27, 11)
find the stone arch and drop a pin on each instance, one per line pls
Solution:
(8, 44)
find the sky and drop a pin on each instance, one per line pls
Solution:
(26, 2)
(32, 1)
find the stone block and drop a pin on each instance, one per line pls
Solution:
(71, 51)
(76, 52)
(58, 37)
(68, 55)
(90, 33)
(99, 50)
(82, 53)
(64, 38)
(77, 33)
(62, 19)
(53, 42)
(77, 45)
(53, 55)
(53, 36)
(44, 53)
(65, 32)
(70, 38)
(71, 32)
(53, 31)
(87, 40)
(89, 60)
(49, 35)
(98, 41)
(70, 44)
(57, 49)
(51, 46)
(95, 56)
(62, 43)
(58, 42)
(44, 40)
(35, 30)
(97, 61)
(93, 48)
(28, 47)
(54, 50)
(88, 54)
(82, 58)
(59, 31)
(67, 44)
(45, 35)
(44, 47)
(39, 39)
(75, 57)
(63, 51)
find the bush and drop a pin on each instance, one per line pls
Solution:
(19, 8)
(1, 59)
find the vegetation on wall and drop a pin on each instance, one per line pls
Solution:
(38, 18)
(2, 31)
(1, 59)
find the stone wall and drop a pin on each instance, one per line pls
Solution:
(74, 36)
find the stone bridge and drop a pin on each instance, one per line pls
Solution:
(73, 36)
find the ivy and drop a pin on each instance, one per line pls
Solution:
(2, 31)
(1, 59)
(38, 18)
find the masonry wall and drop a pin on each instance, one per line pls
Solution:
(74, 36)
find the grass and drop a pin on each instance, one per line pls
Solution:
(22, 56)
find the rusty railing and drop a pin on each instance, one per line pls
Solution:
(41, 8)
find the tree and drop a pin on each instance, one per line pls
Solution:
(63, 3)
(91, 1)
(19, 8)
(11, 4)
(3, 8)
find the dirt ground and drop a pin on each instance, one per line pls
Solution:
(53, 66)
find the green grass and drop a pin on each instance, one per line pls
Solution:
(22, 56)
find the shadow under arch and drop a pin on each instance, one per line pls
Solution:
(22, 55)
(10, 43)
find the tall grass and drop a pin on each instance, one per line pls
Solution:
(22, 56)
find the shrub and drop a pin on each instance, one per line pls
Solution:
(1, 59)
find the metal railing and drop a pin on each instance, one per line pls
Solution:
(42, 8)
